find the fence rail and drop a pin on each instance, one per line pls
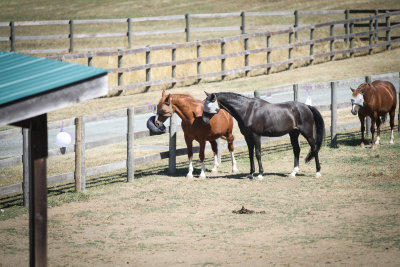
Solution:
(128, 34)
(173, 152)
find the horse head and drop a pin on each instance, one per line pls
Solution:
(164, 109)
(357, 99)
(210, 107)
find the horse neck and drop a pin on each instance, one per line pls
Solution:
(183, 105)
(234, 105)
(370, 95)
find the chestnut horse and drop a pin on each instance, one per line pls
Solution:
(375, 100)
(190, 110)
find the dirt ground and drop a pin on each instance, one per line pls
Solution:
(349, 217)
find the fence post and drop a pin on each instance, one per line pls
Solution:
(12, 36)
(243, 27)
(187, 18)
(130, 33)
(130, 160)
(172, 145)
(268, 53)
(333, 115)
(312, 45)
(120, 63)
(246, 56)
(90, 59)
(332, 42)
(290, 49)
(376, 26)
(368, 119)
(347, 17)
(256, 94)
(388, 39)
(25, 165)
(296, 22)
(148, 73)
(223, 59)
(173, 67)
(198, 46)
(71, 35)
(295, 92)
(80, 171)
(370, 35)
(351, 39)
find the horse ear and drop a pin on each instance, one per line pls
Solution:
(168, 100)
(352, 89)
(207, 94)
(163, 93)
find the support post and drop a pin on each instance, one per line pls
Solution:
(172, 145)
(388, 38)
(332, 42)
(312, 45)
(295, 92)
(80, 168)
(351, 39)
(38, 190)
(120, 63)
(296, 22)
(376, 26)
(173, 70)
(268, 53)
(148, 70)
(290, 49)
(246, 56)
(25, 165)
(333, 115)
(347, 30)
(90, 59)
(130, 44)
(130, 160)
(198, 47)
(223, 59)
(187, 18)
(243, 27)
(371, 36)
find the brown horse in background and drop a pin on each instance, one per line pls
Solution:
(375, 100)
(190, 110)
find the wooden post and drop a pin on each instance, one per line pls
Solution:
(187, 18)
(130, 160)
(38, 190)
(173, 71)
(268, 53)
(80, 168)
(256, 94)
(120, 63)
(368, 119)
(243, 27)
(71, 35)
(130, 33)
(223, 59)
(290, 49)
(172, 145)
(198, 46)
(332, 42)
(376, 25)
(296, 22)
(333, 115)
(312, 45)
(347, 30)
(351, 39)
(90, 59)
(246, 56)
(12, 36)
(148, 73)
(295, 92)
(25, 165)
(370, 51)
(388, 39)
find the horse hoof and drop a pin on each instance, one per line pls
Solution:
(235, 170)
(189, 176)
(259, 177)
(202, 176)
(292, 175)
(318, 175)
(391, 142)
(362, 145)
(373, 147)
(214, 171)
(250, 176)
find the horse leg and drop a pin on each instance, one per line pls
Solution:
(373, 122)
(362, 118)
(201, 155)
(214, 147)
(229, 139)
(250, 147)
(392, 114)
(257, 143)
(189, 145)
(294, 139)
(311, 141)
(378, 130)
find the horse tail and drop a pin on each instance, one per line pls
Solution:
(319, 133)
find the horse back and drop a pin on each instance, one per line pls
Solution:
(386, 95)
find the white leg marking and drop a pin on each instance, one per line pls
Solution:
(318, 175)
(391, 138)
(377, 140)
(216, 164)
(190, 173)
(259, 177)
(295, 170)
(234, 168)
(203, 169)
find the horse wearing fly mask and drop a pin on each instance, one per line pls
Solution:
(257, 118)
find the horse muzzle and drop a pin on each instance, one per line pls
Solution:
(354, 109)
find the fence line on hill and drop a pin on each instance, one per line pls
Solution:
(128, 35)
(81, 172)
(371, 34)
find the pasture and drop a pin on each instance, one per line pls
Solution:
(349, 216)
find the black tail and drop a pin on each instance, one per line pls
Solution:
(319, 132)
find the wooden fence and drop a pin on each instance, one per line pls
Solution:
(71, 34)
(373, 31)
(80, 146)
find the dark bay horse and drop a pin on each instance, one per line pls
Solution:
(257, 118)
(375, 100)
(190, 110)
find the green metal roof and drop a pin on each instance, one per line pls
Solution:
(22, 76)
